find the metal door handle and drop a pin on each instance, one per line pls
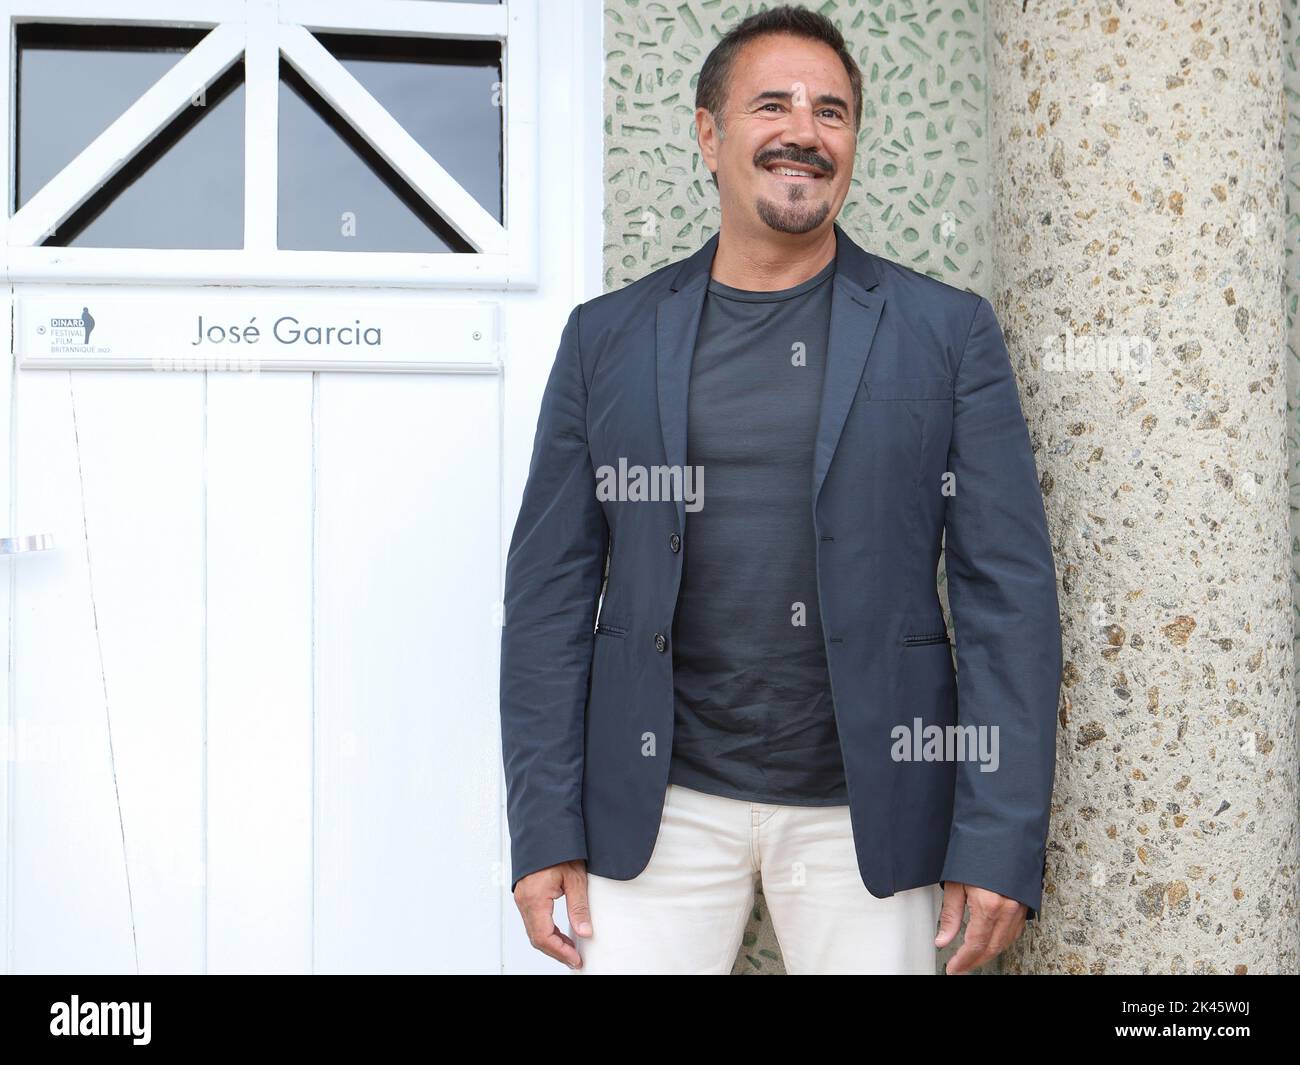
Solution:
(13, 545)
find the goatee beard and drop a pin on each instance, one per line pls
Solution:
(792, 217)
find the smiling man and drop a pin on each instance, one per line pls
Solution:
(725, 706)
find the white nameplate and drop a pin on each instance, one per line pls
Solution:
(159, 330)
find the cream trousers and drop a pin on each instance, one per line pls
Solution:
(687, 910)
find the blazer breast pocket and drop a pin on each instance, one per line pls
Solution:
(903, 423)
(895, 388)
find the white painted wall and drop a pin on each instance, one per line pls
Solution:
(249, 703)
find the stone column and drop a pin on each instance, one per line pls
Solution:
(1138, 226)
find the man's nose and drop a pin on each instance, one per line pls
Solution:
(801, 129)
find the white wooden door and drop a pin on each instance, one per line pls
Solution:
(250, 703)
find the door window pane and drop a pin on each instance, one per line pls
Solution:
(183, 189)
(337, 194)
(73, 81)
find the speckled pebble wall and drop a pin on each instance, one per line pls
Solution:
(1138, 211)
(1291, 291)
(1135, 205)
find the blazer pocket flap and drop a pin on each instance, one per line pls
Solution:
(611, 627)
(909, 388)
(926, 630)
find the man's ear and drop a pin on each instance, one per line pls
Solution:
(707, 134)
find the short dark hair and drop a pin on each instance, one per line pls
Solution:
(711, 89)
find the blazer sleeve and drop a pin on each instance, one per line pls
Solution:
(554, 572)
(1002, 592)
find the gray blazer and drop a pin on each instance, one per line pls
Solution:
(921, 442)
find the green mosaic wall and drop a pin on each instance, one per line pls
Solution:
(919, 191)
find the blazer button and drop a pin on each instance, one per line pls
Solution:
(660, 643)
(675, 542)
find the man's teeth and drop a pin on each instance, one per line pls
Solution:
(790, 171)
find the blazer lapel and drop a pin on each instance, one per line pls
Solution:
(677, 321)
(855, 314)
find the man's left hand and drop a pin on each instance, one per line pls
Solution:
(995, 923)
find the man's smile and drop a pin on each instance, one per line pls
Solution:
(799, 172)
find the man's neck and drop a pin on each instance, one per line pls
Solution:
(780, 261)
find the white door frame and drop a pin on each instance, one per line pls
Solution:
(554, 127)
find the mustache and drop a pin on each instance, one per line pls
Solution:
(795, 155)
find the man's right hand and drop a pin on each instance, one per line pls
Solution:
(535, 895)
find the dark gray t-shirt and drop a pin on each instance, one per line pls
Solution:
(753, 716)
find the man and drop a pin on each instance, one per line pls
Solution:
(768, 690)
